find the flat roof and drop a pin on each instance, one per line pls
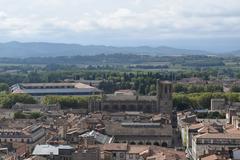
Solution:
(61, 90)
(28, 85)
(46, 149)
(78, 84)
(45, 84)
(54, 88)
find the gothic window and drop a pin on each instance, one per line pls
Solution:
(140, 107)
(132, 143)
(131, 108)
(140, 143)
(123, 107)
(106, 107)
(115, 107)
(148, 143)
(156, 144)
(148, 109)
(164, 144)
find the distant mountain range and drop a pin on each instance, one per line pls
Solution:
(43, 49)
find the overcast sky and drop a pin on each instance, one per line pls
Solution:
(196, 24)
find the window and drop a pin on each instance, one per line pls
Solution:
(114, 155)
(123, 108)
(166, 90)
(131, 107)
(164, 144)
(156, 144)
(115, 107)
(130, 156)
(121, 155)
(140, 108)
(148, 143)
(106, 107)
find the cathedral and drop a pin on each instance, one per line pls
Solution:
(155, 131)
(161, 103)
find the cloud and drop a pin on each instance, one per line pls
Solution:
(152, 19)
(3, 15)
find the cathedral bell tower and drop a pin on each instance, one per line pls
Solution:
(164, 97)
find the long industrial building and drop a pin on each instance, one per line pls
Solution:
(44, 89)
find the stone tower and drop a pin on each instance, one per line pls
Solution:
(164, 97)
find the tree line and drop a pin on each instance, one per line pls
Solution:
(201, 100)
(7, 100)
(181, 101)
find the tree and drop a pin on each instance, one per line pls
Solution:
(4, 87)
(33, 77)
(181, 102)
(68, 101)
(235, 88)
(178, 88)
(7, 100)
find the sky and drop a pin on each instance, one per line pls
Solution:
(212, 25)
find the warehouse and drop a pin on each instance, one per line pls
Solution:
(44, 89)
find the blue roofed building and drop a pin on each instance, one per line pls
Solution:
(44, 89)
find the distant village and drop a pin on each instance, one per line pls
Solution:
(119, 126)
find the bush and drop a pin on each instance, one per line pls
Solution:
(35, 115)
(19, 115)
(211, 115)
(31, 115)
